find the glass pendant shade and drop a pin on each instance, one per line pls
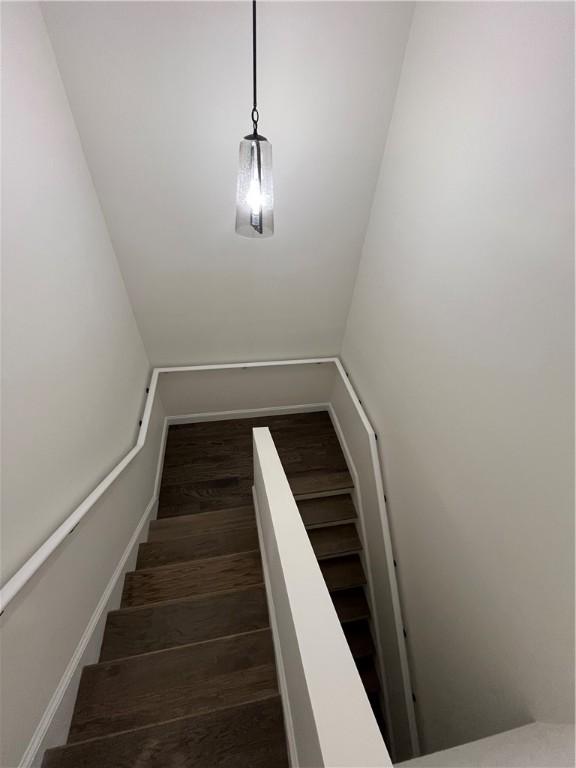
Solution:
(254, 195)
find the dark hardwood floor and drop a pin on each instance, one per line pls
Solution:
(186, 676)
(208, 465)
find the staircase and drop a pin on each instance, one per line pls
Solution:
(186, 674)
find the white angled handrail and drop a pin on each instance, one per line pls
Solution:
(25, 573)
(14, 584)
(329, 720)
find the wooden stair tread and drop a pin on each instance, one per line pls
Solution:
(351, 604)
(247, 736)
(234, 458)
(359, 638)
(343, 572)
(142, 690)
(188, 524)
(222, 448)
(169, 582)
(198, 546)
(213, 495)
(335, 540)
(327, 509)
(320, 481)
(141, 629)
(205, 496)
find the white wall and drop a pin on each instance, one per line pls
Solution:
(246, 388)
(53, 627)
(74, 375)
(459, 341)
(74, 367)
(162, 95)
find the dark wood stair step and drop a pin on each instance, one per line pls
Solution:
(320, 481)
(247, 736)
(186, 466)
(368, 674)
(225, 448)
(228, 492)
(208, 466)
(189, 523)
(158, 553)
(142, 690)
(170, 582)
(335, 540)
(233, 458)
(351, 604)
(326, 510)
(343, 572)
(359, 638)
(205, 496)
(132, 631)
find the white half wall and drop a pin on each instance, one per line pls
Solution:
(460, 344)
(328, 717)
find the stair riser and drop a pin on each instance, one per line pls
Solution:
(343, 573)
(351, 605)
(335, 541)
(359, 639)
(327, 509)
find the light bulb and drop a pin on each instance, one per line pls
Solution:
(254, 198)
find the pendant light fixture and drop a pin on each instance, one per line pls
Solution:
(254, 194)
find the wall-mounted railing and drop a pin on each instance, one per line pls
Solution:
(14, 584)
(329, 720)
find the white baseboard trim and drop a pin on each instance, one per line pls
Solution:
(57, 714)
(280, 672)
(191, 418)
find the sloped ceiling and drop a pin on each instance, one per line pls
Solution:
(161, 93)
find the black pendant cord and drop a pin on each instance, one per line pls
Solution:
(255, 114)
(256, 217)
